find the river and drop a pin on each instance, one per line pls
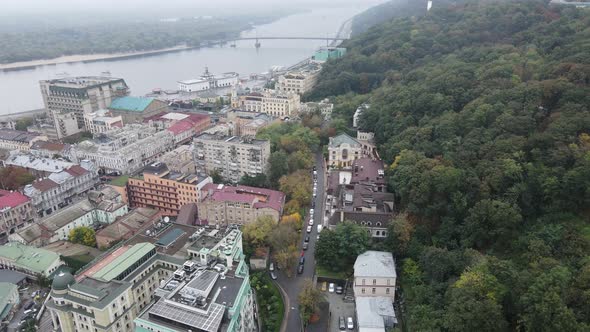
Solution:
(19, 89)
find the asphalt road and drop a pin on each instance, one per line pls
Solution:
(292, 286)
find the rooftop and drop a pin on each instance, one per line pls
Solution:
(130, 223)
(231, 139)
(259, 197)
(30, 161)
(82, 81)
(35, 259)
(128, 103)
(120, 181)
(343, 139)
(13, 277)
(11, 199)
(17, 135)
(170, 239)
(371, 311)
(62, 217)
(121, 263)
(51, 146)
(181, 127)
(375, 264)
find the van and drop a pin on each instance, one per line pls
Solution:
(320, 228)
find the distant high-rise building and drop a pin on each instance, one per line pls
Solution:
(78, 95)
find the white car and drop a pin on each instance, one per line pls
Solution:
(311, 212)
(319, 228)
(350, 323)
(311, 222)
(331, 288)
(309, 229)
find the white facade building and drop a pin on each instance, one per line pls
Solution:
(208, 81)
(102, 121)
(375, 275)
(298, 82)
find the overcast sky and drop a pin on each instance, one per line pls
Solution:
(40, 6)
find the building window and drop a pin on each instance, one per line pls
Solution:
(373, 291)
(363, 290)
(387, 291)
(374, 282)
(363, 282)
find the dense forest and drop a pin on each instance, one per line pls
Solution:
(481, 113)
(51, 40)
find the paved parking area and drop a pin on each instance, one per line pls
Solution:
(339, 308)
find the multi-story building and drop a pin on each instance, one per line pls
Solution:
(180, 160)
(18, 140)
(274, 103)
(209, 81)
(232, 157)
(37, 166)
(46, 129)
(47, 149)
(127, 226)
(343, 150)
(147, 284)
(125, 150)
(78, 95)
(248, 123)
(359, 195)
(9, 300)
(16, 212)
(374, 275)
(374, 290)
(100, 208)
(226, 205)
(136, 109)
(61, 188)
(29, 260)
(326, 53)
(298, 82)
(8, 124)
(324, 107)
(164, 120)
(164, 190)
(101, 121)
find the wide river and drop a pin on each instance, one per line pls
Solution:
(19, 89)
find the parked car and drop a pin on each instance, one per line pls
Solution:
(307, 238)
(29, 305)
(350, 323)
(311, 222)
(314, 168)
(300, 269)
(273, 276)
(309, 229)
(339, 290)
(341, 323)
(305, 245)
(313, 204)
(331, 287)
(320, 227)
(301, 260)
(311, 212)
(271, 267)
(349, 298)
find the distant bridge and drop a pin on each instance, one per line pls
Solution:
(272, 38)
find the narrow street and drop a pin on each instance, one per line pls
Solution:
(292, 286)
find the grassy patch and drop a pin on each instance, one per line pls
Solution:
(269, 300)
(324, 272)
(121, 181)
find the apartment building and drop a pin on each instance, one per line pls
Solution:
(29, 260)
(136, 109)
(359, 195)
(324, 107)
(125, 150)
(232, 157)
(78, 95)
(299, 82)
(127, 226)
(240, 205)
(16, 212)
(146, 284)
(164, 190)
(100, 208)
(180, 160)
(274, 103)
(61, 188)
(165, 120)
(47, 149)
(18, 140)
(101, 121)
(37, 166)
(248, 123)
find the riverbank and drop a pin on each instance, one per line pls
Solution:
(88, 58)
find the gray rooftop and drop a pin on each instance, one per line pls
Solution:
(16, 135)
(343, 139)
(374, 312)
(375, 264)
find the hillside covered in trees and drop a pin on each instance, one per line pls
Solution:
(482, 114)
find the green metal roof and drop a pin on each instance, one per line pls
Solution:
(123, 262)
(342, 139)
(35, 259)
(134, 104)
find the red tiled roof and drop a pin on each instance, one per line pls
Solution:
(266, 198)
(44, 185)
(233, 197)
(196, 118)
(180, 127)
(11, 199)
(154, 117)
(52, 146)
(76, 170)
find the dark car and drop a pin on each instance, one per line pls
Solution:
(301, 260)
(29, 305)
(307, 238)
(314, 168)
(305, 245)
(300, 269)
(313, 204)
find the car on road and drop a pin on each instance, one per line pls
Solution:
(29, 305)
(271, 267)
(339, 290)
(307, 238)
(314, 168)
(311, 212)
(350, 323)
(309, 229)
(300, 269)
(305, 245)
(311, 222)
(301, 260)
(341, 323)
(273, 276)
(313, 204)
(302, 253)
(331, 287)
(349, 298)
